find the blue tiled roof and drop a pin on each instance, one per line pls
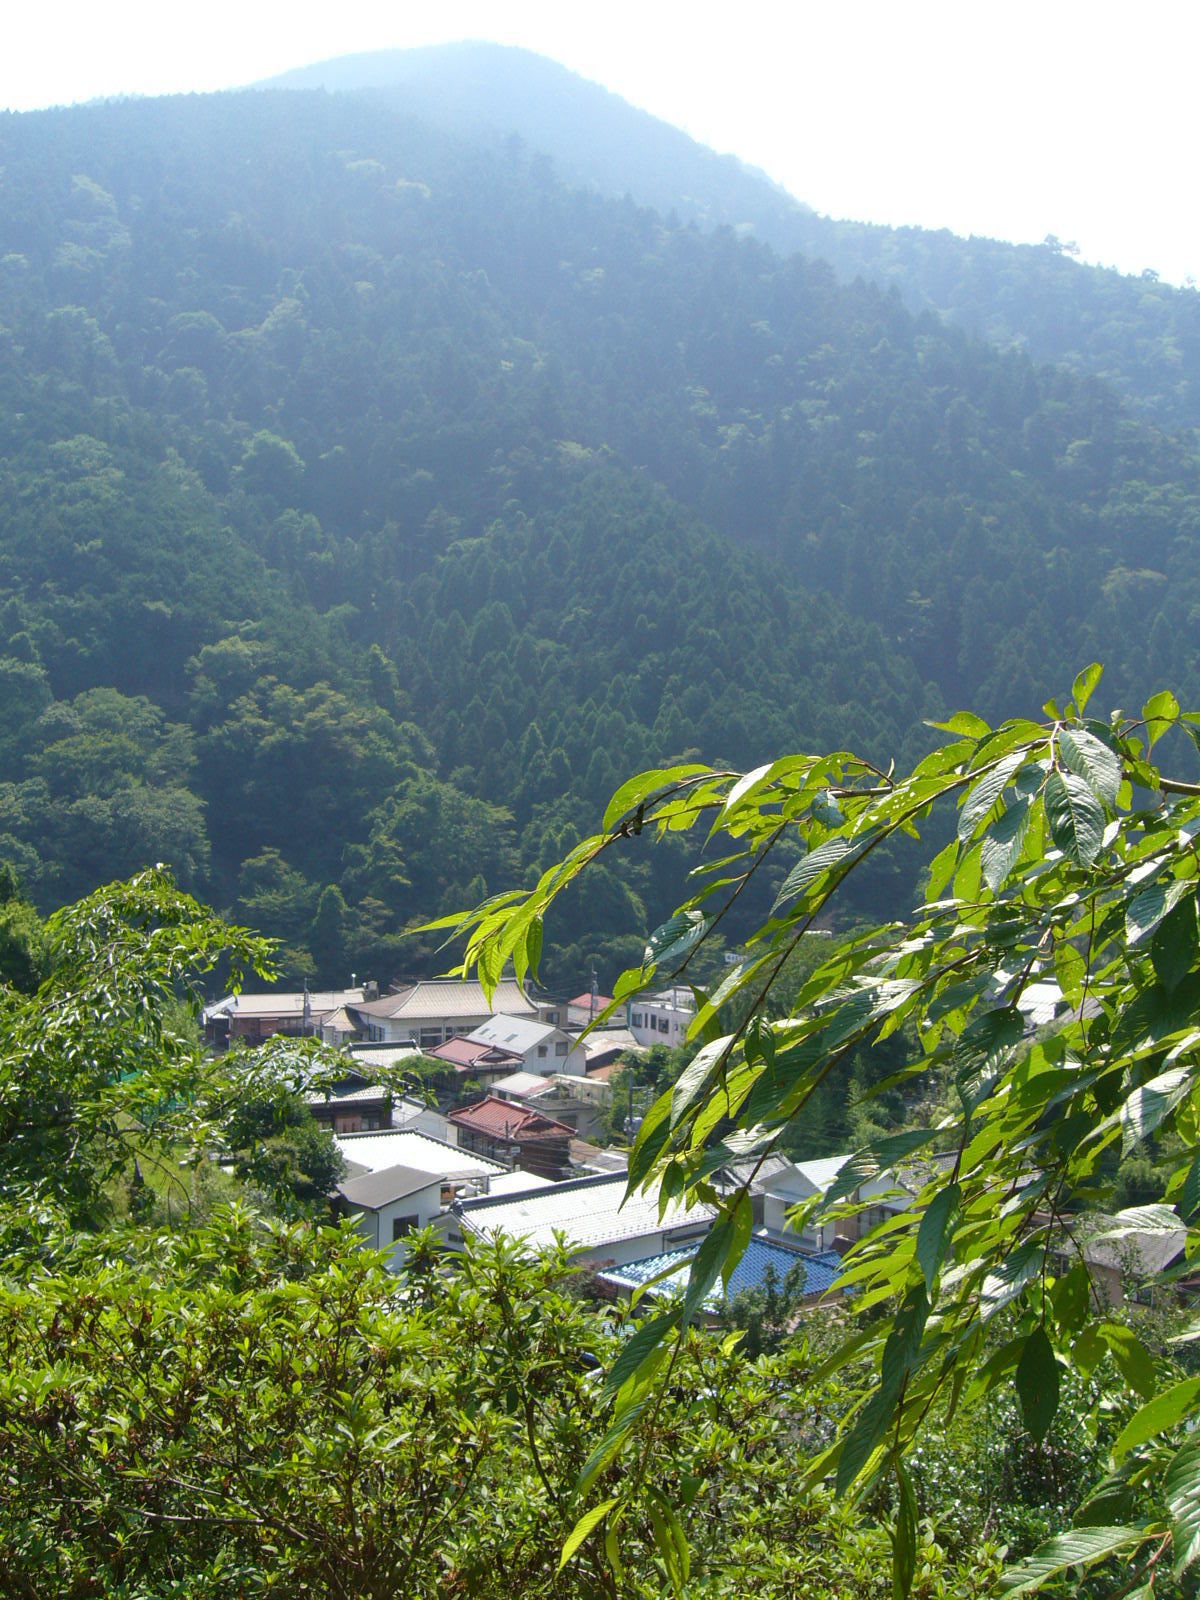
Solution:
(820, 1269)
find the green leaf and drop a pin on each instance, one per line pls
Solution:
(1109, 1503)
(1174, 947)
(638, 1350)
(1037, 1384)
(1071, 1299)
(1160, 711)
(1078, 1547)
(613, 1442)
(980, 799)
(743, 1227)
(1134, 1360)
(1164, 1411)
(931, 1235)
(901, 1353)
(1150, 1104)
(640, 790)
(1181, 1491)
(966, 877)
(963, 722)
(718, 1246)
(1092, 760)
(652, 1136)
(587, 1522)
(904, 1541)
(1070, 969)
(984, 1045)
(1148, 908)
(740, 790)
(666, 1544)
(1002, 842)
(1189, 1200)
(612, 1552)
(826, 810)
(940, 870)
(810, 867)
(1075, 816)
(670, 1538)
(672, 941)
(1081, 689)
(695, 1076)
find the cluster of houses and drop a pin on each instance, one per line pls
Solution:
(513, 1153)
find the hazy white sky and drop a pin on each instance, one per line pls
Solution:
(1013, 120)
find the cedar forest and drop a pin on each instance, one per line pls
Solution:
(378, 491)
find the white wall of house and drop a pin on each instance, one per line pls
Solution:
(541, 1047)
(788, 1188)
(424, 1032)
(379, 1228)
(618, 1251)
(558, 1053)
(662, 1018)
(775, 1220)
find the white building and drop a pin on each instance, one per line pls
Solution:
(456, 1170)
(885, 1195)
(793, 1182)
(663, 1017)
(541, 1047)
(389, 1205)
(437, 1009)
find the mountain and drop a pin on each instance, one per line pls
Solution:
(372, 500)
(1138, 334)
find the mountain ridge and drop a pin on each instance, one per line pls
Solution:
(1141, 335)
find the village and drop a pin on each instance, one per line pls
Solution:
(520, 1156)
(515, 1143)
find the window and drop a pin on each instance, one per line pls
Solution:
(552, 1016)
(636, 1019)
(543, 1050)
(663, 1025)
(430, 1037)
(560, 1048)
(402, 1226)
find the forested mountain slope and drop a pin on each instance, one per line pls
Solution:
(299, 590)
(1140, 335)
(370, 501)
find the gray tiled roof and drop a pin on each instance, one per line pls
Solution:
(435, 998)
(377, 1189)
(591, 1212)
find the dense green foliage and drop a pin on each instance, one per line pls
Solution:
(1073, 869)
(351, 481)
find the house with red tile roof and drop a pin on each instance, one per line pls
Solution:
(586, 1007)
(516, 1134)
(472, 1058)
